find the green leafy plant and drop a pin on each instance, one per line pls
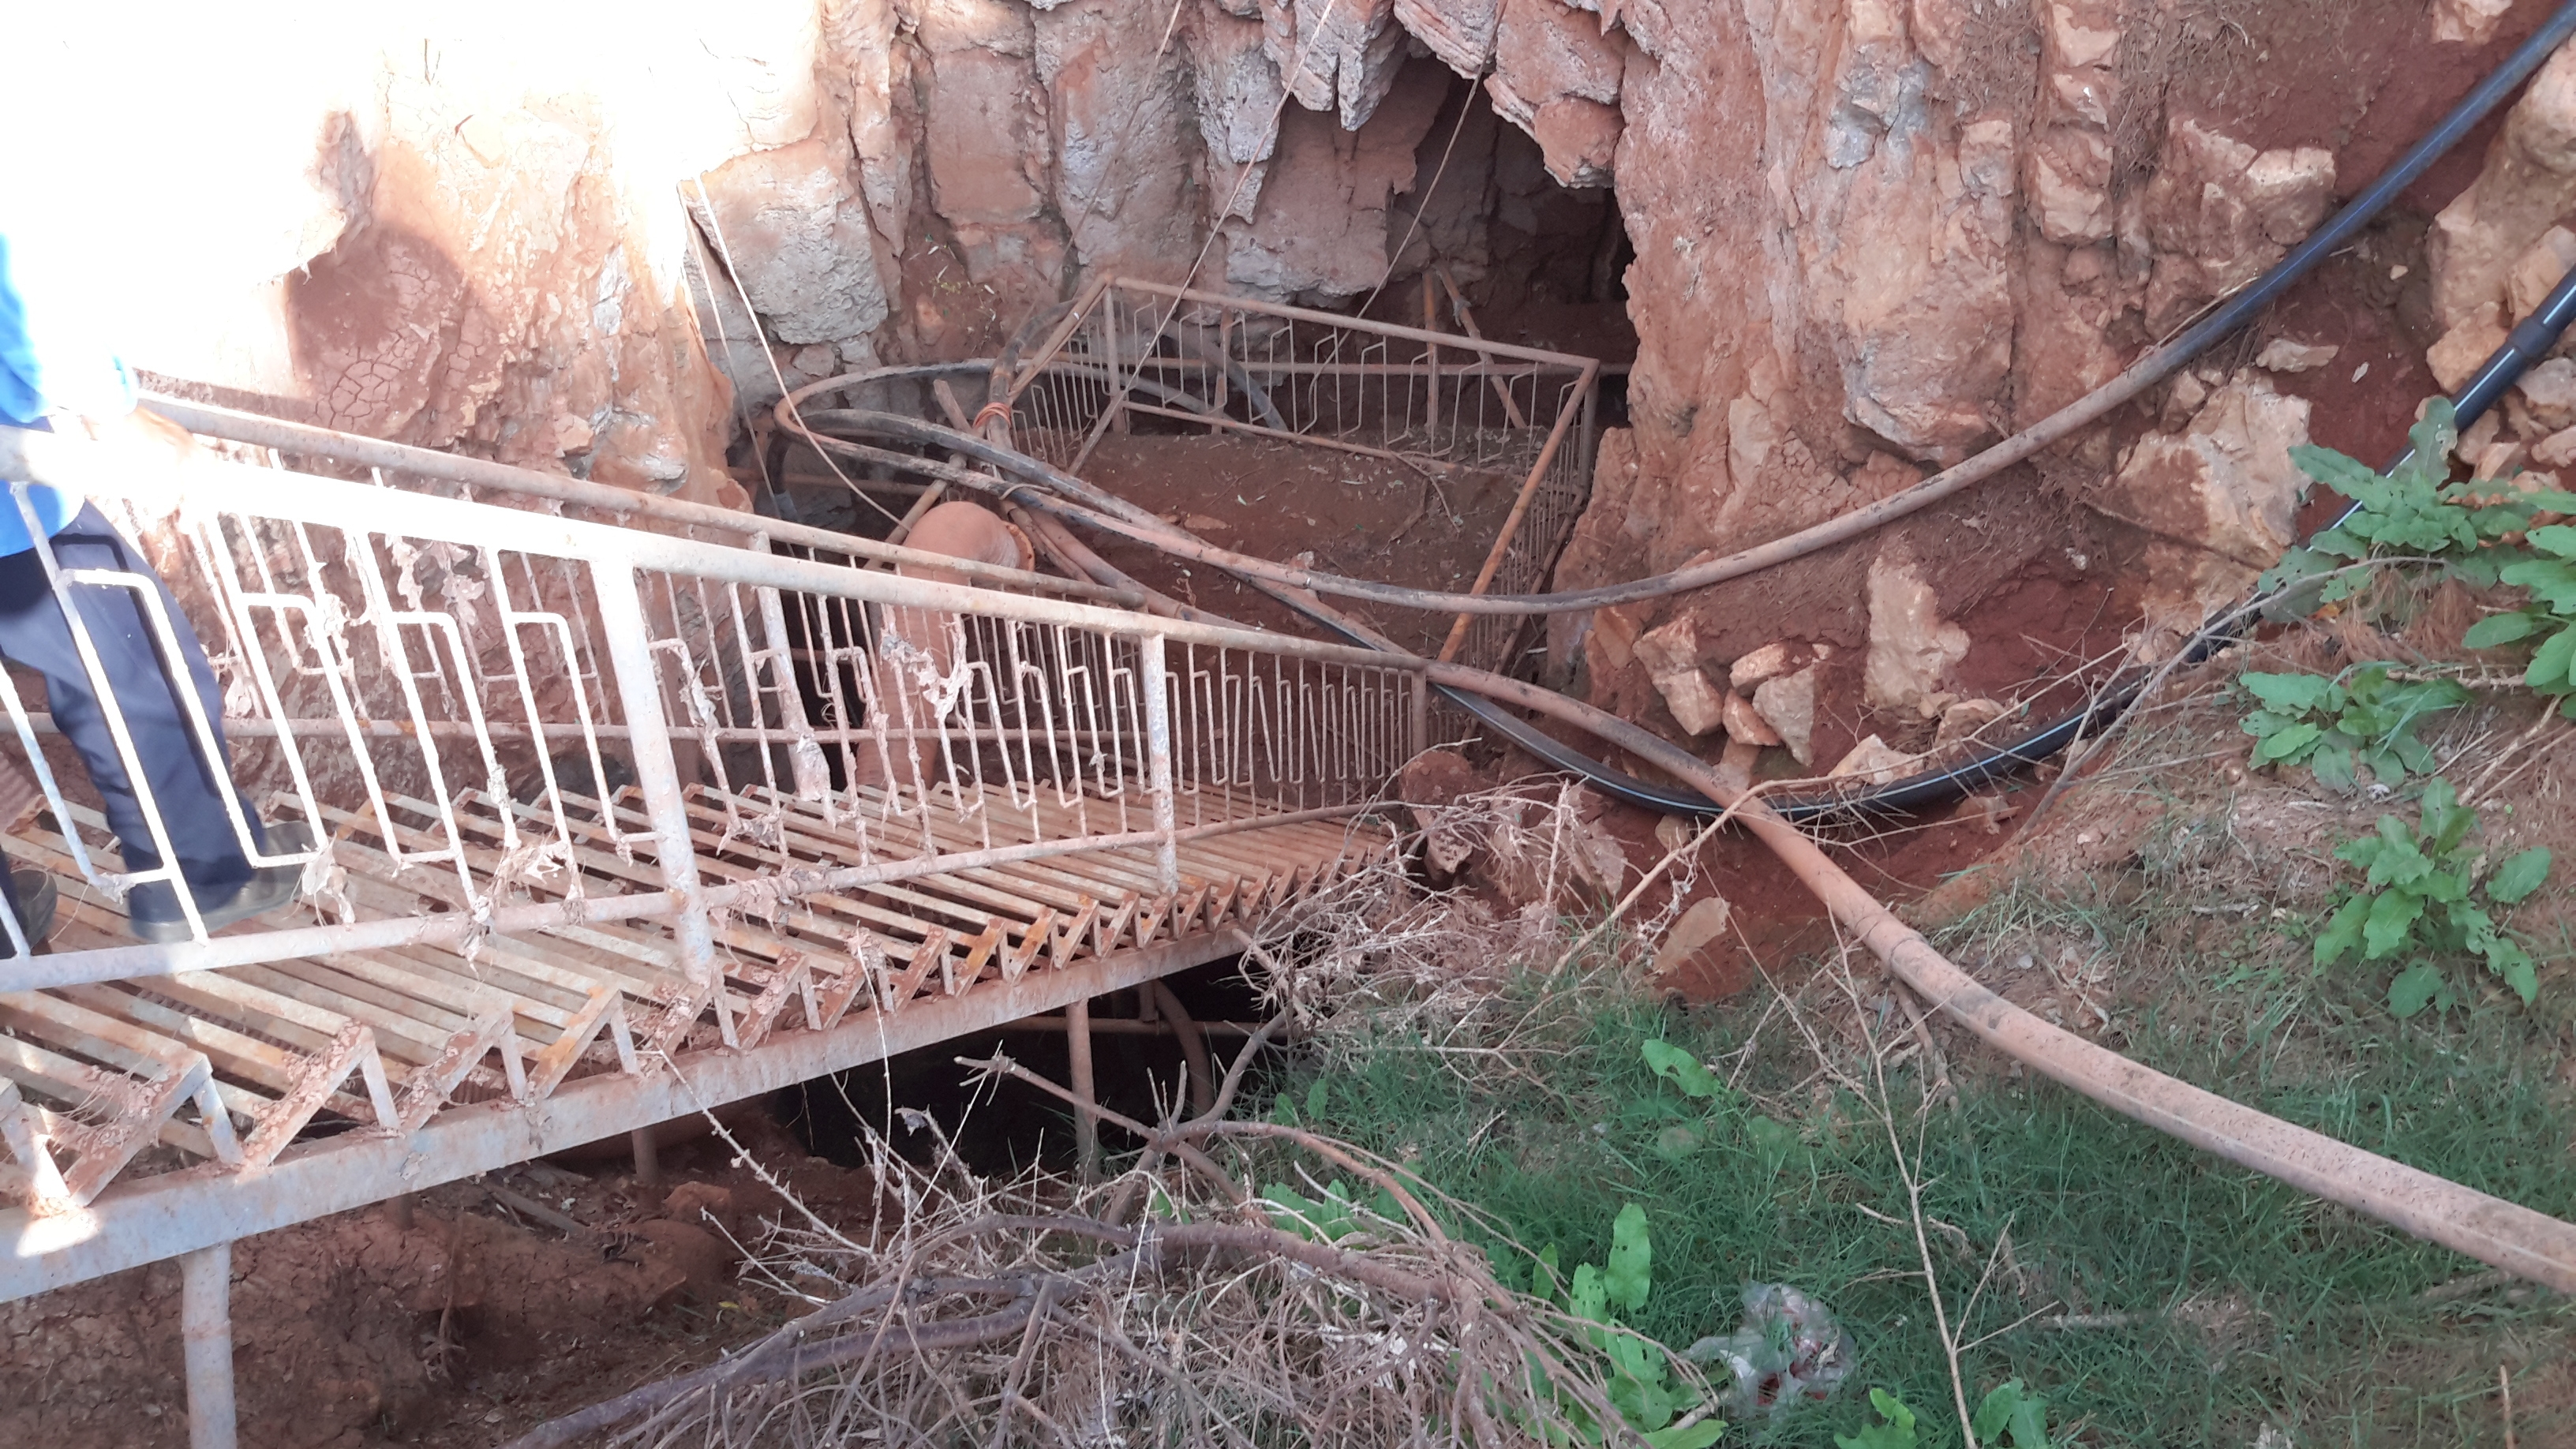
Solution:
(2547, 621)
(1895, 1429)
(1774, 1142)
(2009, 1417)
(1328, 1219)
(2361, 720)
(1638, 1379)
(2414, 511)
(2420, 896)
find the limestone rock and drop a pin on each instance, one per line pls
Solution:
(1320, 231)
(1766, 663)
(1557, 76)
(1579, 138)
(2496, 459)
(2455, 359)
(1545, 48)
(1917, 285)
(1735, 765)
(984, 123)
(2550, 392)
(1336, 55)
(1120, 112)
(1237, 90)
(800, 240)
(2080, 51)
(2070, 179)
(1744, 723)
(1788, 705)
(1873, 760)
(2283, 355)
(1670, 648)
(1910, 645)
(1697, 705)
(2549, 259)
(1966, 717)
(1460, 32)
(2468, 22)
(1615, 631)
(864, 71)
(2219, 212)
(2218, 501)
(2557, 450)
(1698, 928)
(2526, 185)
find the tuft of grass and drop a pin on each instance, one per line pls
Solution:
(2221, 1302)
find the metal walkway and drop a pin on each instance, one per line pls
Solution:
(851, 812)
(607, 808)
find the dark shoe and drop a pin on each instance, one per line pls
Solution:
(152, 909)
(36, 896)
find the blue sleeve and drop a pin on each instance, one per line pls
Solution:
(49, 360)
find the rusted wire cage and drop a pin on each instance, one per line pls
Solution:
(1135, 354)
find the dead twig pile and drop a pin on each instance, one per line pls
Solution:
(1177, 1303)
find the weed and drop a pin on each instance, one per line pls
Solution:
(2549, 618)
(2360, 720)
(2416, 896)
(1637, 1367)
(2010, 1417)
(2083, 1212)
(1895, 1429)
(2468, 530)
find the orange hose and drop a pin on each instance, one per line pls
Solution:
(2501, 1234)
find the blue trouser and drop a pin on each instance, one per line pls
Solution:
(186, 787)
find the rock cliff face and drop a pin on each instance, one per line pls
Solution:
(1869, 235)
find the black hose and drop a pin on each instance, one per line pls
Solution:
(2528, 342)
(2527, 345)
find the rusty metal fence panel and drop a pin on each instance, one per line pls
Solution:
(1131, 351)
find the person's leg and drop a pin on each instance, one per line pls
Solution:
(187, 788)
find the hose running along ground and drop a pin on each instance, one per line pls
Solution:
(2513, 1238)
(2501, 1234)
(2145, 373)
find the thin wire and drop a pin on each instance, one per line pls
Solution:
(1073, 233)
(715, 229)
(1296, 66)
(733, 368)
(1424, 201)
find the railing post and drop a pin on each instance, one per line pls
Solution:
(657, 774)
(806, 764)
(206, 1330)
(1158, 759)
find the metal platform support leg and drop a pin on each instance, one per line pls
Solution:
(206, 1326)
(1086, 1127)
(648, 1157)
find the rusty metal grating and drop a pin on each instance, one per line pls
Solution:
(845, 793)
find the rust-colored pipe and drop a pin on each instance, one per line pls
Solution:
(2501, 1234)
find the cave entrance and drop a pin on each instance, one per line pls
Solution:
(1488, 233)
